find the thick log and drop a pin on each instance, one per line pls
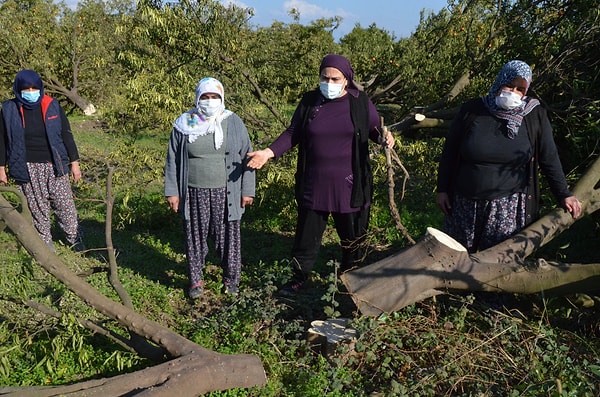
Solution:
(191, 375)
(438, 264)
(388, 285)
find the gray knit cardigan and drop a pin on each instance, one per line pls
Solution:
(240, 178)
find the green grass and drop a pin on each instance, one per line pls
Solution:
(451, 345)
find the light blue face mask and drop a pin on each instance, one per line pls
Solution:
(31, 96)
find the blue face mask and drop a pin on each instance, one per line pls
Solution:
(31, 96)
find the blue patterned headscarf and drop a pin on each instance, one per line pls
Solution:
(513, 117)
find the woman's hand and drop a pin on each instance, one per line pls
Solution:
(247, 200)
(259, 158)
(75, 171)
(173, 202)
(3, 176)
(572, 205)
(443, 202)
(389, 140)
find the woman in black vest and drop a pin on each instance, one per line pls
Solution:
(332, 127)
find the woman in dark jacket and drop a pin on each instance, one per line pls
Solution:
(38, 147)
(487, 177)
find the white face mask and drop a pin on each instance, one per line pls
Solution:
(508, 100)
(331, 90)
(209, 107)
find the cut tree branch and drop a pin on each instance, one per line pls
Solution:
(438, 264)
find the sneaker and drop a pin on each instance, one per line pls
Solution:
(231, 289)
(292, 287)
(195, 291)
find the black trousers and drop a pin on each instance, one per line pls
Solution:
(351, 229)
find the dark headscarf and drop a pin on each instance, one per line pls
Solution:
(343, 65)
(513, 117)
(25, 79)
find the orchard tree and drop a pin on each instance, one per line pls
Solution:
(30, 33)
(174, 45)
(286, 57)
(371, 52)
(284, 61)
(170, 47)
(91, 48)
(68, 49)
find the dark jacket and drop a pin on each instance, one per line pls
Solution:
(543, 148)
(15, 138)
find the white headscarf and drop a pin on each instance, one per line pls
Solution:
(194, 123)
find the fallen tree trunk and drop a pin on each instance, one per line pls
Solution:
(195, 371)
(191, 375)
(439, 264)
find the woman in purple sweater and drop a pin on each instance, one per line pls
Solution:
(332, 127)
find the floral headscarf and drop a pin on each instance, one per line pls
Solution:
(513, 117)
(194, 124)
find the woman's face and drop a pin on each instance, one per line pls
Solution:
(332, 75)
(518, 86)
(210, 95)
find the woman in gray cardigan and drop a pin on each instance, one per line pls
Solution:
(208, 183)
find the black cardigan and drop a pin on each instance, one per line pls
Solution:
(545, 154)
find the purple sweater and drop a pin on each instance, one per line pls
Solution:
(329, 133)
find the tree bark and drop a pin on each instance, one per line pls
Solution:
(439, 264)
(54, 85)
(195, 371)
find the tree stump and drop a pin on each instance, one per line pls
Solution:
(324, 336)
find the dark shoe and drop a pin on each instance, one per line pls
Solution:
(297, 282)
(195, 291)
(292, 287)
(231, 289)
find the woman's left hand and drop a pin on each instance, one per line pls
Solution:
(389, 140)
(75, 171)
(246, 200)
(573, 206)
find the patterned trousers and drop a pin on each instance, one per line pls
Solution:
(46, 192)
(481, 224)
(208, 220)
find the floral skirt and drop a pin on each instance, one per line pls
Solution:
(481, 224)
